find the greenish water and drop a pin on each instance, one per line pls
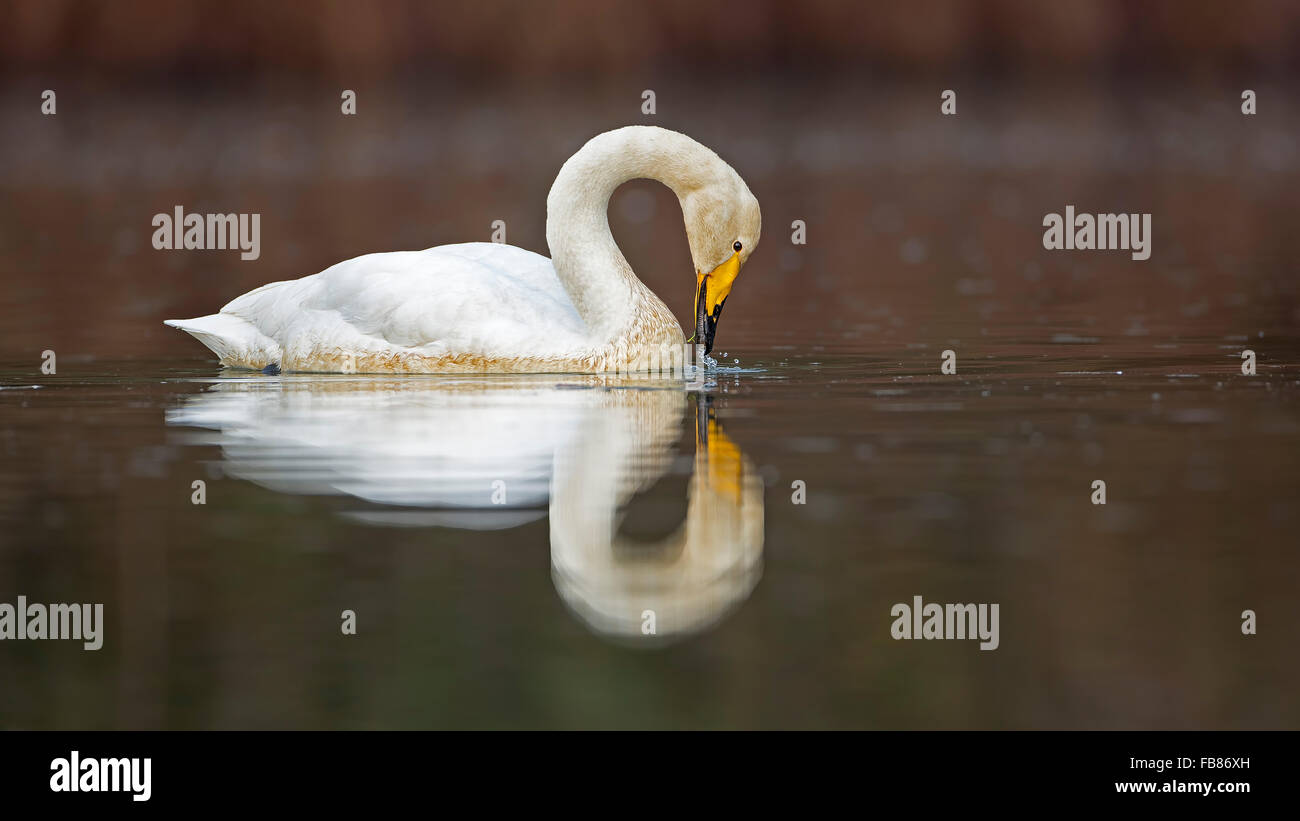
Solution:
(375, 495)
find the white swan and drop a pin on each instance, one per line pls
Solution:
(486, 307)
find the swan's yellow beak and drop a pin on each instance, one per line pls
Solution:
(711, 291)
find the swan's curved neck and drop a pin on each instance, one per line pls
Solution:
(588, 262)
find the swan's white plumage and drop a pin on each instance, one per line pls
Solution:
(476, 299)
(482, 307)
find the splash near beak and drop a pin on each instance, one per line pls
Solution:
(711, 291)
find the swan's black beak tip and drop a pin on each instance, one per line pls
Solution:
(706, 324)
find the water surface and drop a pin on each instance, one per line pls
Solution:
(375, 495)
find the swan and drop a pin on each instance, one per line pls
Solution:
(483, 307)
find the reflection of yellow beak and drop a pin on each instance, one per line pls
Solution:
(711, 290)
(718, 462)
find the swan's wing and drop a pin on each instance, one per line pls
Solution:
(474, 298)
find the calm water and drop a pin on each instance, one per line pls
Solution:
(380, 495)
(376, 495)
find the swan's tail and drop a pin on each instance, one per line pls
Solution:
(235, 341)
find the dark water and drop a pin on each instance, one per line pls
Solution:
(375, 495)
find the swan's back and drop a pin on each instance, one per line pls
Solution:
(453, 307)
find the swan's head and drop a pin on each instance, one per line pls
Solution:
(722, 226)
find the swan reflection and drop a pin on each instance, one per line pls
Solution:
(492, 453)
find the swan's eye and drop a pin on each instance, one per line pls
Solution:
(736, 245)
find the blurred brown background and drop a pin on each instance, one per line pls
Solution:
(491, 39)
(829, 110)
